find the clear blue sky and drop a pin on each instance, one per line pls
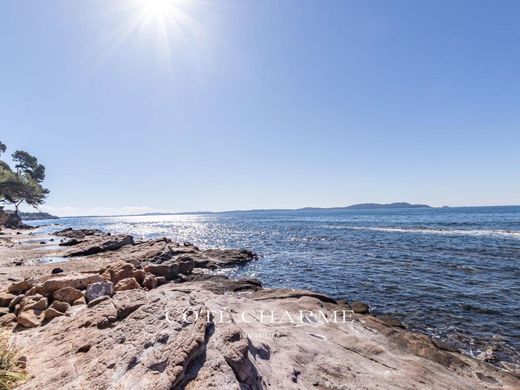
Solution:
(263, 104)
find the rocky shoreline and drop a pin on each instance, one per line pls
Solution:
(107, 311)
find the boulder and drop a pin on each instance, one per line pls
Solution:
(67, 294)
(51, 313)
(127, 284)
(30, 318)
(37, 289)
(79, 282)
(21, 287)
(15, 302)
(71, 242)
(150, 282)
(57, 271)
(171, 269)
(359, 307)
(118, 271)
(60, 306)
(33, 302)
(5, 299)
(96, 290)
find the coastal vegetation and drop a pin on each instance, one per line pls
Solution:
(10, 371)
(24, 182)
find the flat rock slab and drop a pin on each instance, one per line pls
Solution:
(186, 336)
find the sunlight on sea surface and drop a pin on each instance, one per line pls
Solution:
(449, 272)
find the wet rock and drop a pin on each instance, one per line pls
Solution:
(78, 233)
(359, 307)
(283, 293)
(127, 284)
(71, 242)
(96, 290)
(56, 271)
(67, 294)
(5, 299)
(100, 244)
(444, 345)
(392, 322)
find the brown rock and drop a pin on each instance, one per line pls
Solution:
(67, 294)
(98, 300)
(139, 275)
(127, 284)
(118, 271)
(79, 282)
(5, 299)
(150, 282)
(21, 287)
(60, 306)
(7, 319)
(359, 307)
(51, 313)
(79, 301)
(30, 318)
(171, 269)
(33, 302)
(392, 322)
(37, 289)
(15, 301)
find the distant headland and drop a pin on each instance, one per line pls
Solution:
(360, 206)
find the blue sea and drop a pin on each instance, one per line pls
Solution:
(449, 272)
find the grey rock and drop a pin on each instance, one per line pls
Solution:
(99, 289)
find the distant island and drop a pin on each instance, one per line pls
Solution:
(373, 206)
(360, 206)
(36, 216)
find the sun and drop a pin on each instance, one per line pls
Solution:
(157, 9)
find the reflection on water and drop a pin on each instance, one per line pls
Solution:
(449, 272)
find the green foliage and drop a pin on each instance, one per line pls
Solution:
(3, 148)
(28, 165)
(24, 184)
(10, 374)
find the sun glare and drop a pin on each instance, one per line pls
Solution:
(157, 9)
